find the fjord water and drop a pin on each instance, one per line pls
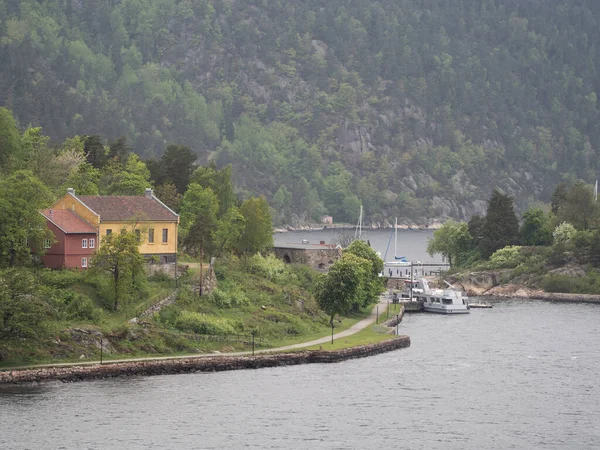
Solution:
(522, 375)
(411, 243)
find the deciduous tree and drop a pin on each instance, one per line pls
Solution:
(23, 309)
(10, 139)
(119, 256)
(536, 228)
(22, 196)
(579, 207)
(339, 291)
(258, 226)
(453, 241)
(200, 234)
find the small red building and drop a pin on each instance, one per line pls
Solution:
(75, 238)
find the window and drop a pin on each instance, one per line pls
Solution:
(447, 301)
(138, 236)
(84, 243)
(83, 262)
(165, 235)
(47, 243)
(92, 243)
(108, 232)
(151, 236)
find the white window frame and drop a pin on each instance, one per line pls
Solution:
(84, 263)
(84, 243)
(92, 243)
(47, 243)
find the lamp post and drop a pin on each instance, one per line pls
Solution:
(332, 332)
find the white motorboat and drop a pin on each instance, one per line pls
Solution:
(443, 301)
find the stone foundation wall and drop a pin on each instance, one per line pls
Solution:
(318, 259)
(198, 364)
(169, 269)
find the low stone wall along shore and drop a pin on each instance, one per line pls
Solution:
(197, 364)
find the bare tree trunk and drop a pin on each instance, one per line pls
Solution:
(116, 279)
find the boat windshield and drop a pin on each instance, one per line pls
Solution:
(447, 301)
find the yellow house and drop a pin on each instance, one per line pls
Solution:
(155, 221)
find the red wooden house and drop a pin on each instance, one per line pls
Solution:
(75, 238)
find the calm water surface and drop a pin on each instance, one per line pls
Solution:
(523, 375)
(411, 243)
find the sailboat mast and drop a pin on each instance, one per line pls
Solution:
(395, 237)
(360, 224)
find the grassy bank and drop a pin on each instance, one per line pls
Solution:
(260, 296)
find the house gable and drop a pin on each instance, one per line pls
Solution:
(71, 202)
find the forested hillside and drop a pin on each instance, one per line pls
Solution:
(414, 108)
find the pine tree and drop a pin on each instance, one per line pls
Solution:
(501, 226)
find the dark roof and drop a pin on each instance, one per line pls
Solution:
(121, 208)
(68, 221)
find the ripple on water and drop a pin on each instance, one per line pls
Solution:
(521, 375)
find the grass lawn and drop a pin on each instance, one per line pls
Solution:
(370, 335)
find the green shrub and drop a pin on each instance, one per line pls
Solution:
(563, 233)
(203, 324)
(289, 323)
(80, 307)
(168, 315)
(507, 257)
(59, 278)
(232, 299)
(589, 284)
(160, 277)
(185, 297)
(269, 267)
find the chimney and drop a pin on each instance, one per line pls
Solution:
(71, 191)
(148, 193)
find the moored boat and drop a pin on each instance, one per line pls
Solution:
(442, 301)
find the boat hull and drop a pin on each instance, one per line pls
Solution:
(445, 311)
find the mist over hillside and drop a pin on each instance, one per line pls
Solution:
(413, 108)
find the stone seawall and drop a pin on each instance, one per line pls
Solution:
(198, 364)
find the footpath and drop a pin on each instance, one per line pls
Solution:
(359, 326)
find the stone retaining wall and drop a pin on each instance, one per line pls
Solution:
(198, 364)
(395, 319)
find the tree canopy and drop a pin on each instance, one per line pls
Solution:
(428, 103)
(22, 227)
(501, 226)
(119, 256)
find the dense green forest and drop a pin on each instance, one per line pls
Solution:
(414, 108)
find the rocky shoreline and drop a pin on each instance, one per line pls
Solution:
(487, 284)
(518, 291)
(196, 364)
(383, 226)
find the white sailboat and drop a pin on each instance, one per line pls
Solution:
(397, 267)
(358, 229)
